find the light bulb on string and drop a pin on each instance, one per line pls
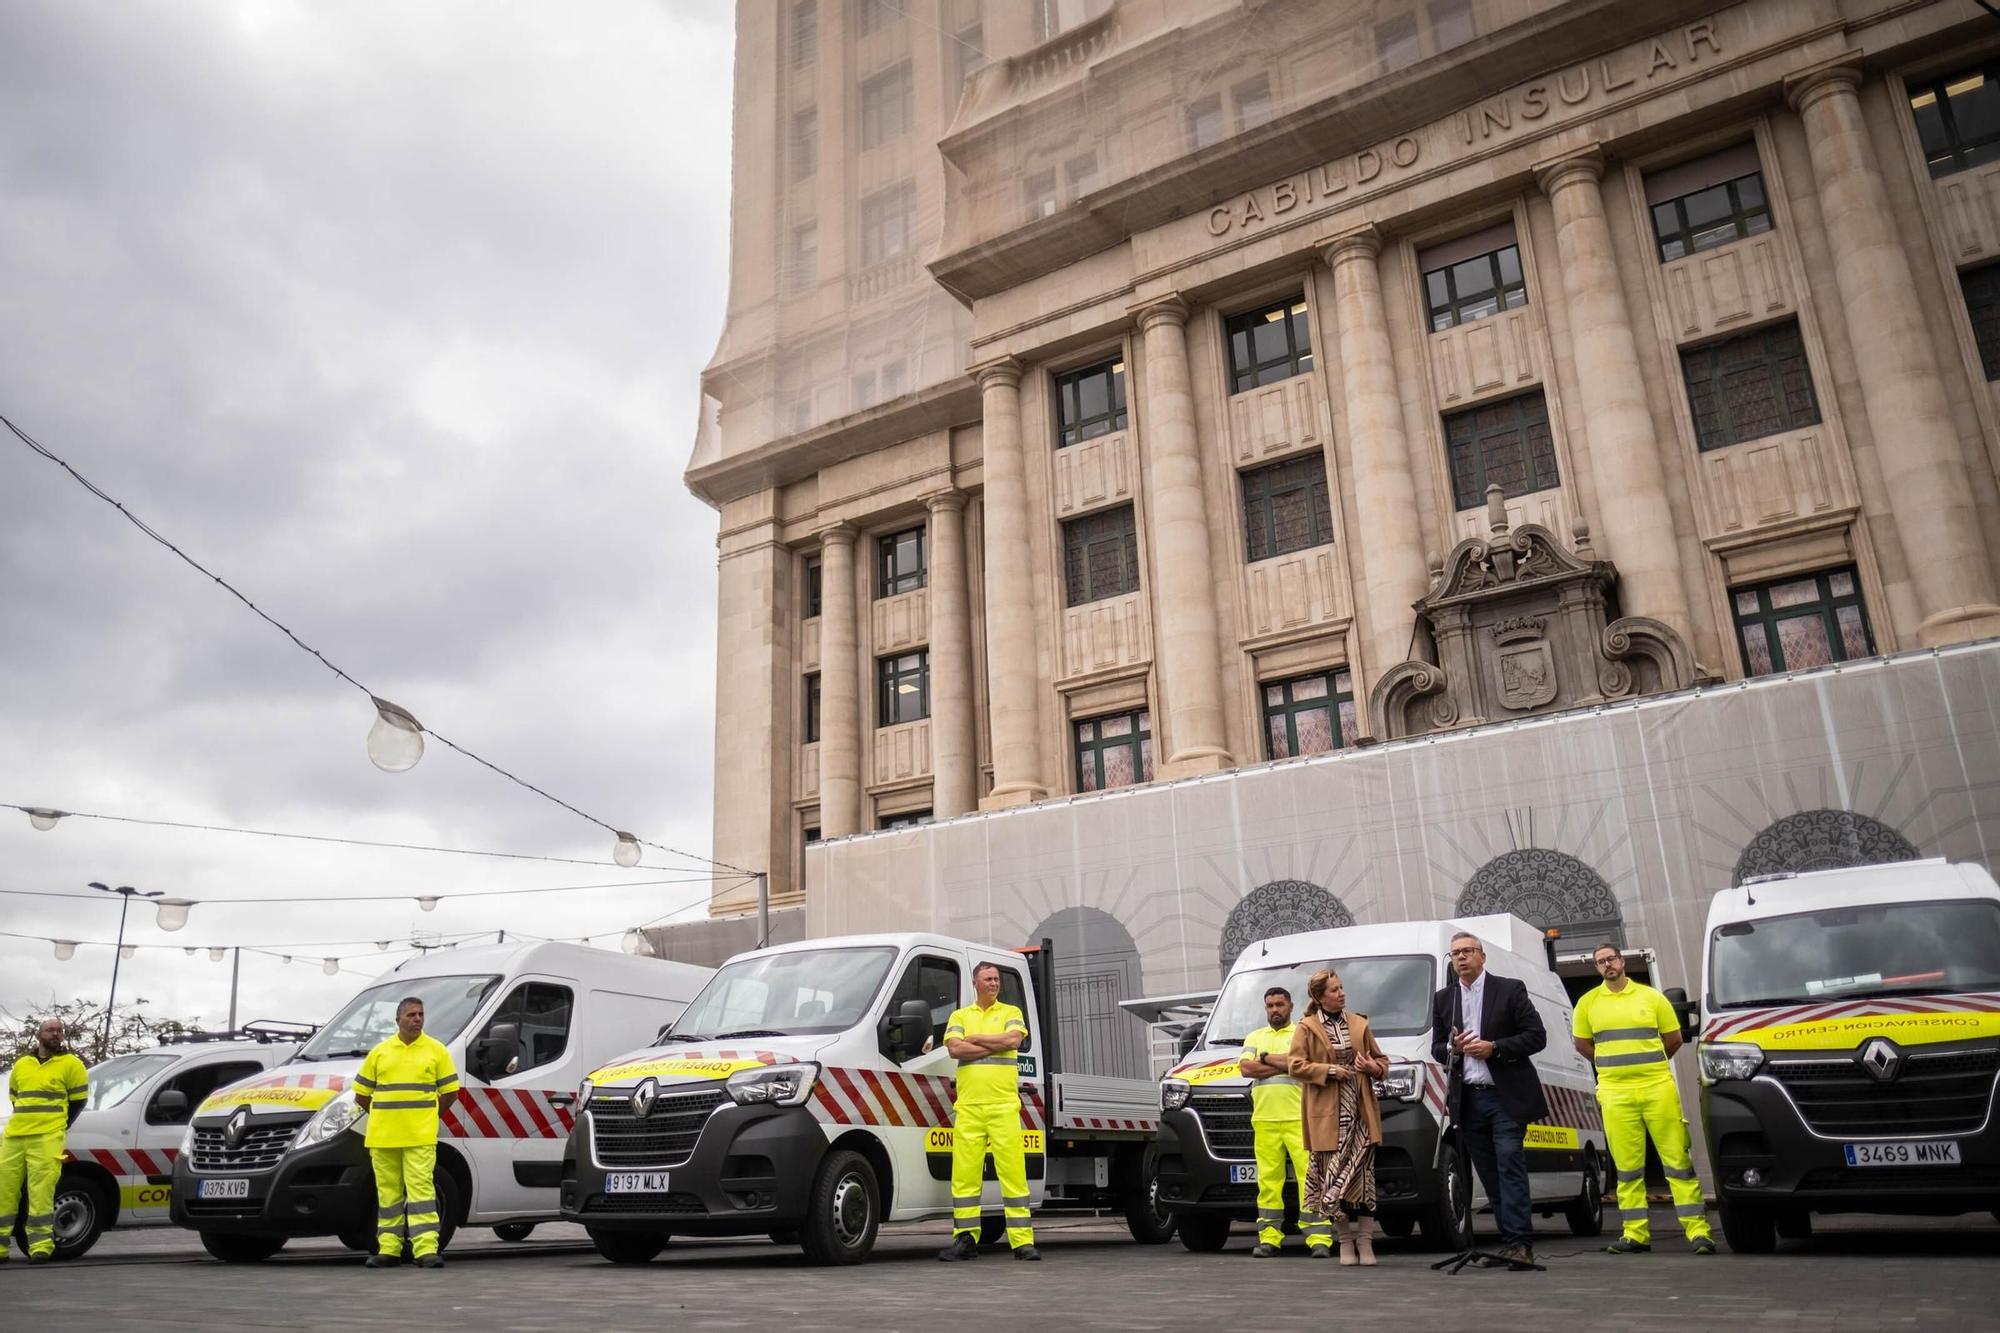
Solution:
(172, 912)
(635, 942)
(189, 951)
(215, 955)
(625, 851)
(128, 952)
(382, 945)
(45, 819)
(65, 950)
(288, 959)
(428, 904)
(330, 966)
(396, 741)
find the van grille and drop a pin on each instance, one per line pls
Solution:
(1225, 1119)
(664, 1138)
(1946, 1092)
(260, 1149)
(652, 1205)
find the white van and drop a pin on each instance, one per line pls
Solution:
(118, 1161)
(281, 1155)
(1850, 1046)
(1208, 1168)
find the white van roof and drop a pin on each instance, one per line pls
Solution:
(604, 969)
(1853, 886)
(886, 939)
(1500, 933)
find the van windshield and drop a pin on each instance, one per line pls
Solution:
(784, 994)
(1395, 993)
(1855, 952)
(449, 1004)
(115, 1080)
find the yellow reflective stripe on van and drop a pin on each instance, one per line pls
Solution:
(674, 1067)
(939, 1140)
(1230, 1068)
(1827, 1034)
(298, 1099)
(1550, 1136)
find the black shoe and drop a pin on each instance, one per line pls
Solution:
(1517, 1254)
(1028, 1254)
(1704, 1245)
(384, 1261)
(1625, 1245)
(1264, 1252)
(964, 1245)
(1319, 1251)
(39, 1257)
(430, 1261)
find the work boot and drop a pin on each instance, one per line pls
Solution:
(430, 1261)
(40, 1256)
(964, 1245)
(1518, 1254)
(1704, 1245)
(1319, 1251)
(1028, 1254)
(1264, 1252)
(1364, 1241)
(1626, 1245)
(383, 1261)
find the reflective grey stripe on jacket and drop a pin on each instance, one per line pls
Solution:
(1632, 1058)
(1626, 1034)
(1007, 1060)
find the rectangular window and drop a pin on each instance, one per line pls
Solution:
(1506, 444)
(1081, 173)
(1089, 403)
(1101, 555)
(874, 15)
(892, 380)
(905, 694)
(1286, 507)
(809, 602)
(885, 106)
(1253, 102)
(1269, 344)
(1309, 714)
(1114, 751)
(1711, 216)
(1807, 620)
(1750, 386)
(1958, 119)
(1982, 303)
(1475, 287)
(1451, 23)
(900, 562)
(906, 819)
(1396, 43)
(811, 720)
(888, 218)
(805, 143)
(1204, 121)
(810, 834)
(1041, 191)
(929, 979)
(968, 53)
(803, 269)
(805, 32)
(539, 1012)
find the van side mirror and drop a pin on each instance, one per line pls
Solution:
(1686, 1010)
(491, 1054)
(907, 1027)
(169, 1108)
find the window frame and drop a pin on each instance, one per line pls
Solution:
(813, 590)
(1289, 708)
(524, 1050)
(912, 979)
(1454, 309)
(1067, 393)
(1078, 543)
(1261, 493)
(1829, 606)
(1739, 217)
(1709, 359)
(1980, 287)
(804, 144)
(802, 270)
(1139, 739)
(1959, 155)
(1536, 485)
(1196, 112)
(891, 580)
(804, 33)
(890, 91)
(196, 1082)
(1247, 372)
(890, 204)
(810, 718)
(893, 670)
(904, 819)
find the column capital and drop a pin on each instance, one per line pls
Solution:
(1585, 167)
(945, 500)
(1828, 80)
(1361, 243)
(1004, 371)
(842, 533)
(1169, 309)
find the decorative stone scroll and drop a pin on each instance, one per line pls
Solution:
(1518, 626)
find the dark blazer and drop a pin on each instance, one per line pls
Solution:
(1507, 1019)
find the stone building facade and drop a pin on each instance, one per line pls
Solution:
(1181, 385)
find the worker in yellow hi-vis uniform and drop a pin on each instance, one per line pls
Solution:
(1278, 1131)
(1630, 1033)
(405, 1085)
(985, 1038)
(48, 1087)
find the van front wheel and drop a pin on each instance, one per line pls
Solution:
(1204, 1233)
(627, 1247)
(1748, 1228)
(843, 1212)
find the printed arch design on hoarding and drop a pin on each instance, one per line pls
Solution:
(1282, 907)
(1546, 888)
(1822, 840)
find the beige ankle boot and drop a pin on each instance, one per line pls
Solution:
(1364, 1241)
(1343, 1226)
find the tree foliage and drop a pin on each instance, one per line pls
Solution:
(132, 1027)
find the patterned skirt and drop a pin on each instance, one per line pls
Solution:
(1345, 1177)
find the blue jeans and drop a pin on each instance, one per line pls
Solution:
(1494, 1139)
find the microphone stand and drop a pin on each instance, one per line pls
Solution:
(1455, 1079)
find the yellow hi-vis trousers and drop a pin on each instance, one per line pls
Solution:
(34, 1160)
(1632, 1110)
(1279, 1141)
(406, 1199)
(977, 1128)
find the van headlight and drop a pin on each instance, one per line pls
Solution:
(187, 1141)
(583, 1097)
(1728, 1060)
(1174, 1093)
(341, 1113)
(772, 1085)
(1404, 1083)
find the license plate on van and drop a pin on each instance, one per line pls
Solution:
(1914, 1152)
(1243, 1175)
(225, 1189)
(636, 1182)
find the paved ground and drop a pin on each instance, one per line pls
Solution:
(1854, 1273)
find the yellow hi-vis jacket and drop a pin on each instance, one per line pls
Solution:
(406, 1080)
(1277, 1097)
(43, 1092)
(1626, 1030)
(994, 1078)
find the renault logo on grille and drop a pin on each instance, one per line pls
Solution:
(643, 1098)
(1881, 1059)
(232, 1133)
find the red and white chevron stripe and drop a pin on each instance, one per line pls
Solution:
(507, 1113)
(1107, 1122)
(890, 1097)
(1572, 1108)
(132, 1163)
(326, 1082)
(1722, 1027)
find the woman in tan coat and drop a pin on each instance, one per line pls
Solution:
(1335, 1056)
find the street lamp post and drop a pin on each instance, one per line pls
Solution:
(127, 893)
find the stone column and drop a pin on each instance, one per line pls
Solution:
(1922, 465)
(1633, 519)
(1385, 495)
(954, 759)
(1184, 601)
(839, 686)
(1011, 675)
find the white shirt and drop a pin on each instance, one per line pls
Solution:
(1472, 1007)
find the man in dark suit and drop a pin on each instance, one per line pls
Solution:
(1485, 1031)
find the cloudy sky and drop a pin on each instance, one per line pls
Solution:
(392, 315)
